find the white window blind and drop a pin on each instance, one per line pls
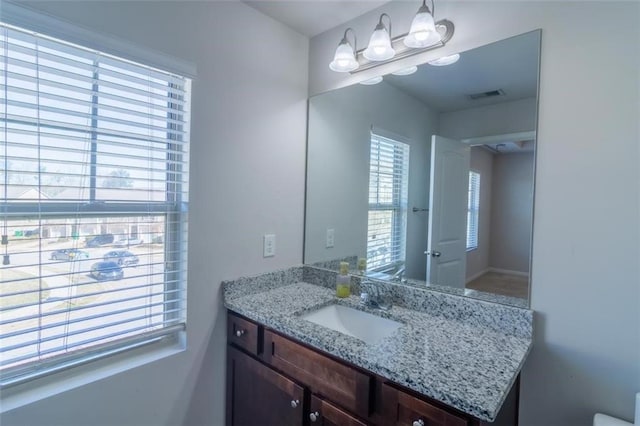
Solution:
(388, 192)
(473, 210)
(93, 185)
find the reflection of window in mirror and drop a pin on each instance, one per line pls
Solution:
(473, 210)
(388, 193)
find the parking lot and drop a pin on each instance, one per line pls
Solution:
(67, 307)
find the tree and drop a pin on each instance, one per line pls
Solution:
(119, 178)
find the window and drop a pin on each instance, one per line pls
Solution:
(93, 184)
(388, 188)
(473, 210)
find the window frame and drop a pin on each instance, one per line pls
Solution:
(174, 209)
(399, 203)
(473, 211)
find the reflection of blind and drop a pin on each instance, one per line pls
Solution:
(473, 210)
(94, 184)
(388, 188)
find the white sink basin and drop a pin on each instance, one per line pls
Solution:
(352, 322)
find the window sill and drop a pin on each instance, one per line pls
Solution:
(45, 387)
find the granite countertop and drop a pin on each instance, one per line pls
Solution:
(457, 352)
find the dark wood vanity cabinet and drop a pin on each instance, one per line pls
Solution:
(336, 381)
(404, 409)
(275, 381)
(257, 395)
(323, 413)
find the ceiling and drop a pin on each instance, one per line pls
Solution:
(510, 65)
(312, 17)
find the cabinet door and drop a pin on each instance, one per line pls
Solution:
(257, 395)
(323, 413)
(402, 409)
(335, 381)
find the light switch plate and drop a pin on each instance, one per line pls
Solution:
(269, 245)
(330, 237)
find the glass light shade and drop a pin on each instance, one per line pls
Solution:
(423, 31)
(372, 81)
(379, 48)
(406, 71)
(445, 60)
(345, 59)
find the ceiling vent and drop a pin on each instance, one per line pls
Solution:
(489, 94)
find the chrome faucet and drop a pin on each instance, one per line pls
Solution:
(373, 301)
(398, 276)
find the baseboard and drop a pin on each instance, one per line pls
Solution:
(508, 271)
(478, 275)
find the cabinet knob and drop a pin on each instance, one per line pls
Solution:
(314, 416)
(239, 333)
(418, 422)
(294, 404)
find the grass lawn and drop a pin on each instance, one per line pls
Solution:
(29, 283)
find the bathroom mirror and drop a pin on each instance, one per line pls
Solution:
(429, 176)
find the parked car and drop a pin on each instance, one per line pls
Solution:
(99, 240)
(69, 254)
(122, 257)
(31, 233)
(103, 271)
(126, 242)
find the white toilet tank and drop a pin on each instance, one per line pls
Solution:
(604, 420)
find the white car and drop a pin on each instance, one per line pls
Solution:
(124, 242)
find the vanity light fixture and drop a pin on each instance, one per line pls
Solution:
(379, 48)
(445, 60)
(372, 81)
(423, 28)
(425, 34)
(345, 58)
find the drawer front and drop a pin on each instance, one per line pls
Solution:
(243, 333)
(403, 409)
(323, 413)
(344, 385)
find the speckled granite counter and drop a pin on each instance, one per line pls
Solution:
(465, 353)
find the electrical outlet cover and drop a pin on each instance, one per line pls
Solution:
(269, 245)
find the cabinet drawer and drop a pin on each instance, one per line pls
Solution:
(333, 380)
(323, 413)
(242, 333)
(403, 409)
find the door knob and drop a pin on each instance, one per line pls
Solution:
(294, 404)
(435, 254)
(314, 416)
(239, 333)
(418, 422)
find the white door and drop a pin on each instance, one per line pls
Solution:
(447, 239)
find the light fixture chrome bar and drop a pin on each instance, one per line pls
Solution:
(444, 27)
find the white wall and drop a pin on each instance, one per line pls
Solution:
(512, 211)
(338, 168)
(489, 120)
(587, 303)
(481, 161)
(247, 179)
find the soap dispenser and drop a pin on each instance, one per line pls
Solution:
(343, 281)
